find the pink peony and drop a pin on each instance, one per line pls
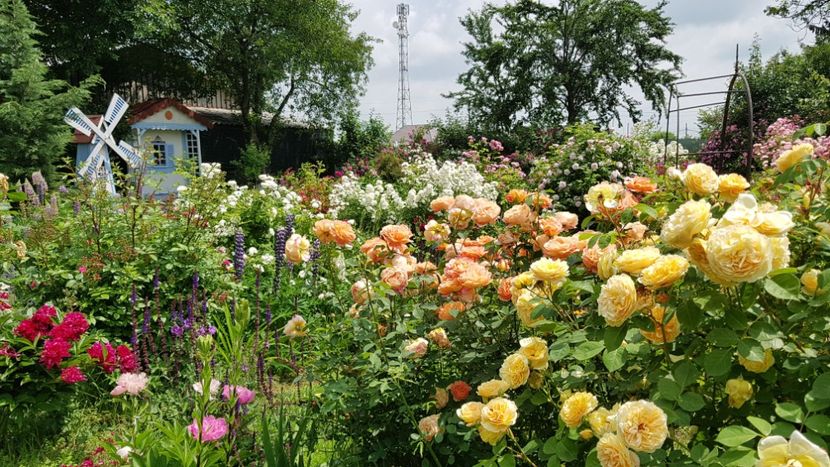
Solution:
(212, 429)
(71, 328)
(54, 351)
(243, 394)
(72, 375)
(130, 383)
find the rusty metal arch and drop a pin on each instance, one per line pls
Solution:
(674, 93)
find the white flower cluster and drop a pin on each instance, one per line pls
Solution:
(379, 200)
(656, 150)
(425, 180)
(210, 169)
(286, 197)
(430, 180)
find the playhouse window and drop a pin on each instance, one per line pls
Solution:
(192, 146)
(159, 152)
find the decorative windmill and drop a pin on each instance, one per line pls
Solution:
(97, 165)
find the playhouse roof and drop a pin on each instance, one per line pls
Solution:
(151, 107)
(80, 138)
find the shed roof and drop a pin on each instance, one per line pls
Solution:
(80, 138)
(232, 117)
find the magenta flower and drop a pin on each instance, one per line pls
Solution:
(243, 394)
(212, 429)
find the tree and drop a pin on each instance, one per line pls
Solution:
(532, 63)
(813, 15)
(32, 132)
(272, 55)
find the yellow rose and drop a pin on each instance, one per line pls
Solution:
(536, 352)
(700, 179)
(499, 415)
(297, 249)
(731, 185)
(428, 426)
(600, 421)
(605, 265)
(549, 270)
(470, 413)
(792, 157)
(535, 380)
(586, 434)
(642, 425)
(612, 452)
(523, 281)
(490, 437)
(515, 370)
(662, 332)
(610, 194)
(664, 272)
(634, 261)
(809, 282)
(441, 398)
(687, 221)
(774, 222)
(775, 451)
(738, 253)
(739, 391)
(617, 299)
(780, 252)
(492, 388)
(756, 366)
(576, 407)
(525, 305)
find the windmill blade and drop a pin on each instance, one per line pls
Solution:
(83, 171)
(129, 154)
(116, 110)
(77, 120)
(92, 165)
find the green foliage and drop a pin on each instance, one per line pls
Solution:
(362, 139)
(810, 14)
(547, 64)
(253, 162)
(271, 55)
(33, 135)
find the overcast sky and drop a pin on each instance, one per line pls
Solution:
(705, 35)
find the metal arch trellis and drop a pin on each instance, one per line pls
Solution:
(677, 95)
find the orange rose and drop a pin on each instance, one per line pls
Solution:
(322, 229)
(485, 212)
(640, 185)
(550, 226)
(425, 267)
(634, 232)
(342, 233)
(568, 220)
(395, 278)
(459, 218)
(445, 311)
(475, 277)
(459, 390)
(516, 196)
(562, 247)
(520, 215)
(504, 289)
(540, 201)
(436, 232)
(375, 249)
(628, 201)
(442, 204)
(464, 202)
(360, 292)
(396, 237)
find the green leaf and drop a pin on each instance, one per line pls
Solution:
(821, 386)
(813, 403)
(790, 412)
(760, 424)
(615, 360)
(722, 337)
(507, 461)
(751, 350)
(566, 450)
(685, 373)
(735, 435)
(669, 389)
(588, 350)
(550, 445)
(647, 210)
(818, 423)
(691, 402)
(783, 286)
(718, 362)
(614, 336)
(559, 350)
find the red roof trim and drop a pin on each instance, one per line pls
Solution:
(152, 107)
(80, 138)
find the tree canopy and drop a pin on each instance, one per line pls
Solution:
(32, 132)
(272, 55)
(548, 64)
(811, 14)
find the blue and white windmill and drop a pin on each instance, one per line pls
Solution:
(97, 165)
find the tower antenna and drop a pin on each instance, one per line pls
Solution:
(404, 110)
